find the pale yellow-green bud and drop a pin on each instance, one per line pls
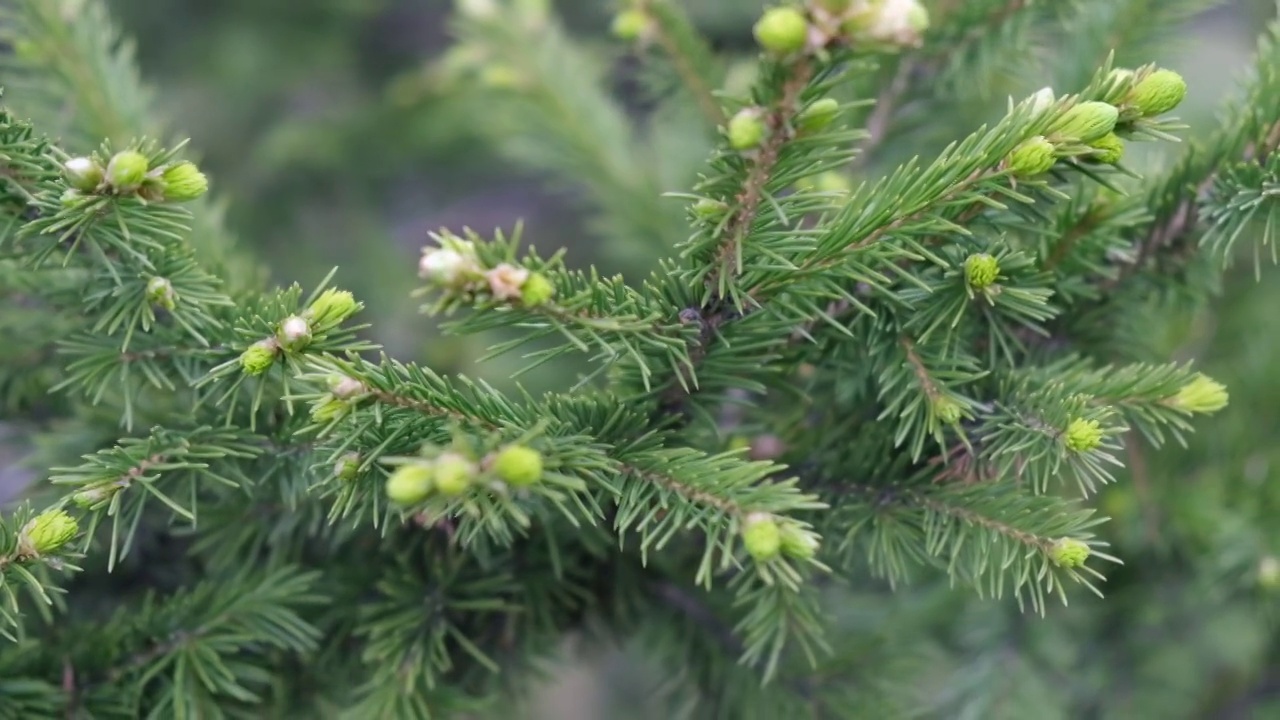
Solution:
(708, 208)
(83, 174)
(1083, 435)
(127, 170)
(1069, 553)
(1087, 121)
(630, 24)
(259, 357)
(1108, 149)
(347, 467)
(332, 308)
(1158, 93)
(330, 408)
(797, 542)
(294, 333)
(1202, 395)
(536, 290)
(761, 536)
(47, 532)
(981, 271)
(1032, 157)
(518, 465)
(410, 484)
(1269, 573)
(746, 129)
(92, 496)
(782, 30)
(160, 293)
(818, 115)
(183, 182)
(453, 474)
(946, 410)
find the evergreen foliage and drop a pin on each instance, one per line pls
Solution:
(842, 399)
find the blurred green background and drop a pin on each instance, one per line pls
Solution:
(297, 111)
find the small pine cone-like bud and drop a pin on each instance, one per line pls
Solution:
(761, 536)
(1068, 553)
(71, 198)
(448, 267)
(506, 281)
(344, 387)
(797, 542)
(1087, 121)
(183, 182)
(294, 333)
(329, 409)
(160, 293)
(259, 357)
(1202, 395)
(454, 474)
(1032, 157)
(90, 497)
(1108, 149)
(518, 465)
(981, 271)
(537, 290)
(746, 129)
(1083, 435)
(630, 25)
(332, 308)
(347, 467)
(1158, 93)
(897, 22)
(946, 410)
(708, 208)
(1042, 100)
(782, 30)
(818, 115)
(83, 174)
(410, 484)
(127, 170)
(47, 532)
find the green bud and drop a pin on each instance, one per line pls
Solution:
(1083, 435)
(71, 198)
(160, 293)
(501, 77)
(259, 357)
(345, 388)
(329, 408)
(1033, 157)
(782, 30)
(746, 130)
(946, 410)
(1158, 93)
(90, 497)
(536, 290)
(1109, 149)
(183, 182)
(797, 542)
(332, 308)
(1202, 395)
(453, 474)
(347, 467)
(1269, 573)
(981, 271)
(410, 484)
(1087, 121)
(127, 170)
(708, 208)
(761, 536)
(818, 115)
(518, 465)
(629, 25)
(47, 532)
(294, 333)
(895, 22)
(83, 174)
(1069, 553)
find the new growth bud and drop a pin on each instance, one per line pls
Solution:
(453, 474)
(981, 271)
(332, 308)
(83, 174)
(127, 170)
(518, 465)
(259, 357)
(797, 542)
(1069, 553)
(410, 484)
(630, 25)
(1158, 93)
(452, 264)
(761, 536)
(347, 467)
(47, 532)
(820, 114)
(160, 293)
(1202, 395)
(782, 30)
(1083, 435)
(294, 333)
(896, 22)
(537, 290)
(1032, 157)
(1087, 121)
(946, 410)
(1108, 149)
(506, 281)
(746, 129)
(183, 182)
